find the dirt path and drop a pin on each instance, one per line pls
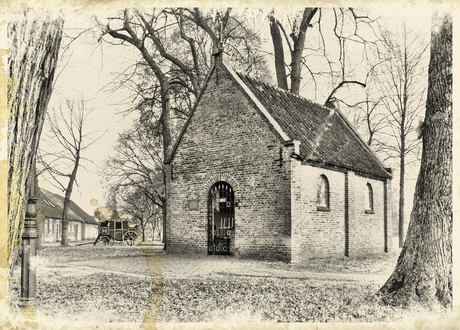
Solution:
(192, 267)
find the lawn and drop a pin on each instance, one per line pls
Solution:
(113, 284)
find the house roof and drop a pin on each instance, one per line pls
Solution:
(325, 135)
(51, 205)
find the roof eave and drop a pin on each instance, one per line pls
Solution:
(320, 163)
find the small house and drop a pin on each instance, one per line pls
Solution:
(81, 226)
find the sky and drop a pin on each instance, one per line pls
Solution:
(86, 71)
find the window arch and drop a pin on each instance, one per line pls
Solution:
(368, 199)
(322, 198)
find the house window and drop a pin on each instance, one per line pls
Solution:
(48, 224)
(368, 199)
(323, 194)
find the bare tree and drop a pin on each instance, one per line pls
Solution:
(303, 34)
(34, 39)
(175, 45)
(402, 81)
(372, 119)
(366, 111)
(137, 167)
(66, 131)
(423, 273)
(134, 201)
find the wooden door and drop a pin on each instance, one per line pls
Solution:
(221, 219)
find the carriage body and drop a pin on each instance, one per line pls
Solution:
(123, 230)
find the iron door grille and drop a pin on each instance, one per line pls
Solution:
(221, 219)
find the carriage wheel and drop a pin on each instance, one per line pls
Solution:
(105, 240)
(129, 238)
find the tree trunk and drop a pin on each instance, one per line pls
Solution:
(402, 151)
(35, 193)
(143, 230)
(167, 145)
(163, 236)
(34, 39)
(402, 169)
(423, 273)
(278, 48)
(66, 206)
(296, 69)
(296, 54)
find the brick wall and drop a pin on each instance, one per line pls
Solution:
(227, 139)
(367, 231)
(320, 233)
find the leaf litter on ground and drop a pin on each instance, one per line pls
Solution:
(96, 294)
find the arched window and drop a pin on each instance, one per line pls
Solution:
(323, 194)
(368, 199)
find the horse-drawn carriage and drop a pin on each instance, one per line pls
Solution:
(111, 231)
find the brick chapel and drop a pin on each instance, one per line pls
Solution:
(260, 172)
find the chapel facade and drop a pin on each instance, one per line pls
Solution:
(259, 172)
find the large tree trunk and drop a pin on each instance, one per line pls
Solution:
(423, 273)
(298, 38)
(296, 54)
(35, 193)
(278, 48)
(34, 39)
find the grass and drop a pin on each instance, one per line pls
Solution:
(104, 297)
(59, 254)
(280, 300)
(374, 263)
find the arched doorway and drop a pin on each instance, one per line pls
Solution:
(221, 219)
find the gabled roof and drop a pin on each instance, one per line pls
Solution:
(325, 135)
(51, 204)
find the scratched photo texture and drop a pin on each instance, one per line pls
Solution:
(245, 166)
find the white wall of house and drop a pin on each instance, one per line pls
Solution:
(76, 231)
(50, 232)
(89, 231)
